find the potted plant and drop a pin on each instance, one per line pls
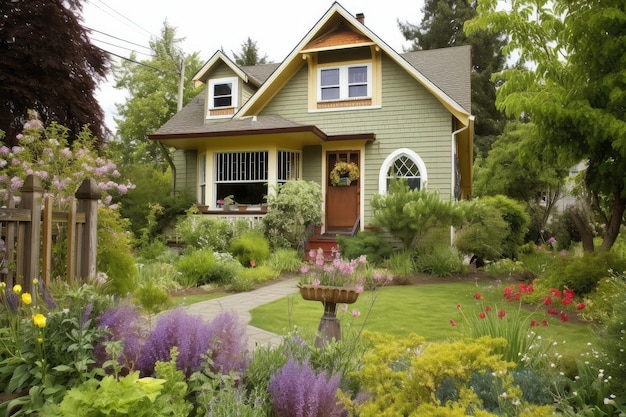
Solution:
(227, 202)
(344, 173)
(331, 282)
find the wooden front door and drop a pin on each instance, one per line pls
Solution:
(342, 202)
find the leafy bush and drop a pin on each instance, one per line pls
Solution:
(250, 248)
(443, 261)
(515, 215)
(223, 271)
(409, 214)
(564, 229)
(195, 266)
(152, 298)
(367, 243)
(246, 278)
(401, 264)
(284, 260)
(293, 210)
(484, 231)
(297, 390)
(581, 274)
(505, 268)
(203, 232)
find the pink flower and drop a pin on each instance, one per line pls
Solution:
(355, 313)
(304, 269)
(358, 289)
(344, 308)
(316, 282)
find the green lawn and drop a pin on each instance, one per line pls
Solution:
(424, 309)
(185, 300)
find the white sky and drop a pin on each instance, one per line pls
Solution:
(276, 26)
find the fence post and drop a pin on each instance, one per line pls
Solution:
(88, 195)
(32, 192)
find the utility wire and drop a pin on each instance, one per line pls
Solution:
(120, 15)
(119, 39)
(138, 63)
(121, 47)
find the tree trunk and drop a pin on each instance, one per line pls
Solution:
(583, 228)
(614, 224)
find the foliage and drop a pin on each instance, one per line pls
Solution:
(250, 247)
(505, 268)
(114, 252)
(581, 274)
(223, 397)
(443, 261)
(284, 260)
(249, 54)
(516, 217)
(152, 298)
(368, 243)
(441, 27)
(403, 376)
(563, 228)
(201, 232)
(152, 97)
(246, 278)
(294, 208)
(612, 336)
(401, 264)
(572, 41)
(409, 214)
(484, 231)
(57, 78)
(196, 266)
(296, 389)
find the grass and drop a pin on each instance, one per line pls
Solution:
(425, 309)
(185, 300)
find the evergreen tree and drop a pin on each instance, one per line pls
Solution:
(249, 54)
(441, 27)
(50, 66)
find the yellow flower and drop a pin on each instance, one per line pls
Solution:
(26, 298)
(35, 281)
(40, 340)
(39, 320)
(17, 289)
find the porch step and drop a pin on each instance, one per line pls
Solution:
(325, 241)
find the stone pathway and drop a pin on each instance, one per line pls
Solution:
(242, 303)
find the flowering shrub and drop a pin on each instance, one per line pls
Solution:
(297, 390)
(348, 170)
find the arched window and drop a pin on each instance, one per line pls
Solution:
(402, 163)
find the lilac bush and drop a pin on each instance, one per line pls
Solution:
(297, 391)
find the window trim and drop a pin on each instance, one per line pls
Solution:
(384, 168)
(234, 94)
(344, 85)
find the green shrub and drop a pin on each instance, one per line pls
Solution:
(443, 261)
(195, 266)
(515, 215)
(294, 209)
(605, 300)
(367, 243)
(484, 232)
(223, 271)
(200, 232)
(152, 298)
(250, 248)
(505, 268)
(401, 265)
(284, 260)
(114, 252)
(248, 277)
(581, 274)
(612, 336)
(564, 230)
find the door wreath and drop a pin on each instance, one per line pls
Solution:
(344, 173)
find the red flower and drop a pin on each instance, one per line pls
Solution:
(508, 291)
(458, 306)
(487, 309)
(580, 306)
(501, 314)
(566, 301)
(530, 288)
(544, 323)
(555, 292)
(547, 301)
(564, 317)
(523, 288)
(478, 296)
(567, 293)
(516, 296)
(553, 311)
(534, 323)
(452, 323)
(482, 315)
(252, 263)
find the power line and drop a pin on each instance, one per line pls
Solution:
(120, 15)
(119, 39)
(138, 63)
(121, 47)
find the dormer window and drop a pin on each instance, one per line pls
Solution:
(223, 97)
(346, 82)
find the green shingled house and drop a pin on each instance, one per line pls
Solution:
(341, 95)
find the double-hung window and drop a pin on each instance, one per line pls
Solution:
(346, 82)
(223, 94)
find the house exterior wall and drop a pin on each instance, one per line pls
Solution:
(409, 117)
(186, 163)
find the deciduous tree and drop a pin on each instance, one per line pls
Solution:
(572, 88)
(48, 65)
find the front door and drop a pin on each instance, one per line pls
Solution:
(342, 201)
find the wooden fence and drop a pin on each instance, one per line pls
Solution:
(27, 233)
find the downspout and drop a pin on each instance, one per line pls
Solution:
(452, 170)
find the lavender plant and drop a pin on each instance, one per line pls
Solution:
(228, 344)
(296, 390)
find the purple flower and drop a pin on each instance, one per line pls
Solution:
(228, 343)
(121, 323)
(13, 300)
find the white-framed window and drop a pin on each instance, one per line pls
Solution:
(223, 93)
(402, 163)
(242, 175)
(346, 82)
(288, 166)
